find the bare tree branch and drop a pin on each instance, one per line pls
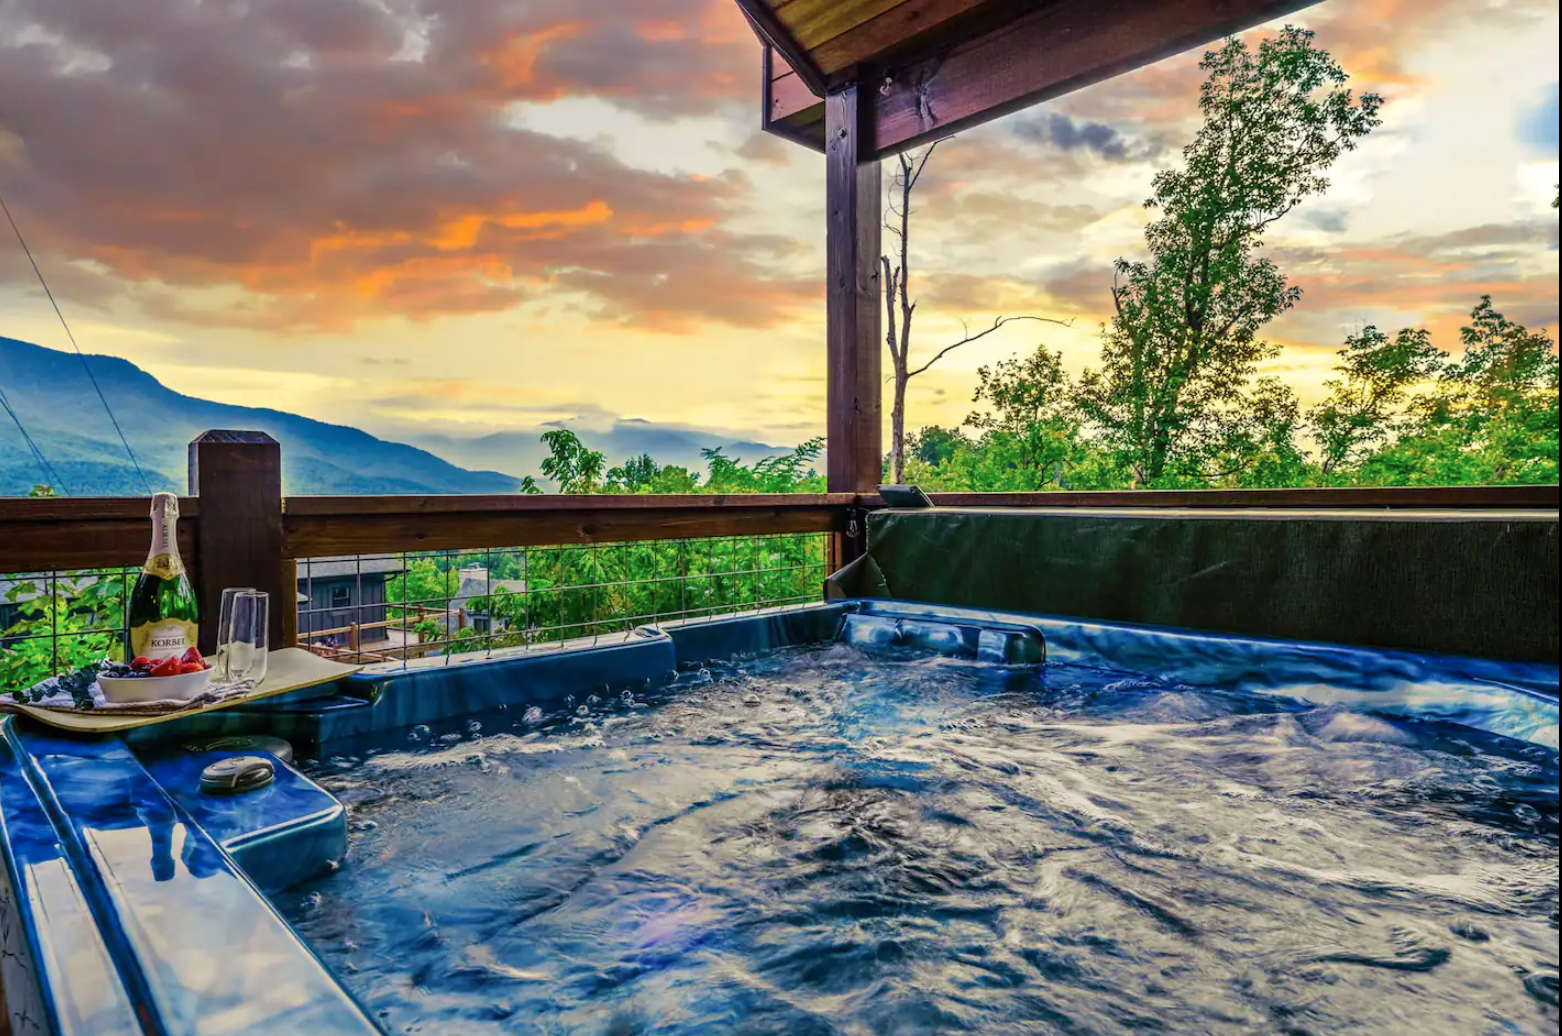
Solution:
(889, 309)
(969, 338)
(896, 285)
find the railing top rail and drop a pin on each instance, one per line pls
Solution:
(1446, 497)
(324, 506)
(87, 508)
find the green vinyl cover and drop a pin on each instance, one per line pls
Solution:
(1477, 583)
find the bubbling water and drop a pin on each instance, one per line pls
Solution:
(824, 841)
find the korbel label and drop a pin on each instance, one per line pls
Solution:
(163, 638)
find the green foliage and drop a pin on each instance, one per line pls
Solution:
(1489, 419)
(1033, 423)
(1377, 373)
(569, 463)
(1175, 388)
(574, 592)
(1399, 412)
(643, 475)
(789, 473)
(633, 476)
(585, 591)
(61, 624)
(934, 445)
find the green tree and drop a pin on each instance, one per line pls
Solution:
(787, 473)
(569, 463)
(423, 590)
(673, 479)
(934, 445)
(1180, 354)
(633, 476)
(1032, 419)
(1257, 447)
(1363, 406)
(1490, 419)
(643, 474)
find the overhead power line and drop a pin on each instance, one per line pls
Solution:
(79, 354)
(50, 476)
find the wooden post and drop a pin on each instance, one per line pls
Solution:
(854, 444)
(854, 425)
(238, 476)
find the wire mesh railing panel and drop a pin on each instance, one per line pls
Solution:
(401, 607)
(54, 622)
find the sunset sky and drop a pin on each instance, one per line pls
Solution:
(446, 216)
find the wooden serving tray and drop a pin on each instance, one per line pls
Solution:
(287, 669)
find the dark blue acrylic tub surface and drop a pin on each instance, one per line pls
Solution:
(136, 903)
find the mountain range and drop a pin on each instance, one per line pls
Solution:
(56, 402)
(523, 450)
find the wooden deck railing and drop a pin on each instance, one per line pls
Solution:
(237, 529)
(319, 526)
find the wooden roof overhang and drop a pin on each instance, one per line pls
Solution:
(940, 66)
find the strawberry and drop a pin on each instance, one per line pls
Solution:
(142, 664)
(192, 655)
(166, 667)
(191, 667)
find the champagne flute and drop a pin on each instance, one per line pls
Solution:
(224, 621)
(242, 639)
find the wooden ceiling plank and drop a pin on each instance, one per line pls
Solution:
(813, 22)
(888, 31)
(1046, 54)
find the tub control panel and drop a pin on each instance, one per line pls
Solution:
(238, 773)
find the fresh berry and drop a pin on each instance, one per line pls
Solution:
(192, 655)
(143, 663)
(192, 667)
(167, 667)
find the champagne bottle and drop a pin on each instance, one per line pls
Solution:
(161, 613)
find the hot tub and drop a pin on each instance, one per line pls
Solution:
(860, 817)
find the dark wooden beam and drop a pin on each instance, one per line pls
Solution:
(762, 18)
(788, 108)
(1049, 52)
(854, 446)
(238, 476)
(1363, 498)
(789, 97)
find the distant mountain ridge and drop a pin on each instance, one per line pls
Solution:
(625, 438)
(56, 401)
(61, 411)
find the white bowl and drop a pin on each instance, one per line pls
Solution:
(155, 688)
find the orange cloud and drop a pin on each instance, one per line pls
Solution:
(297, 151)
